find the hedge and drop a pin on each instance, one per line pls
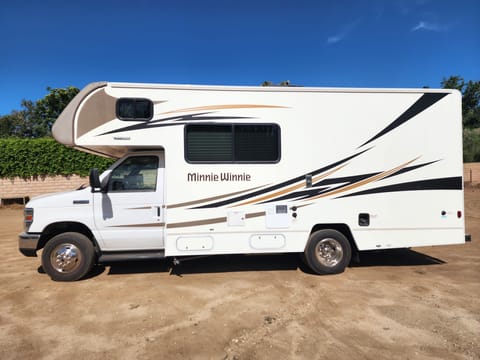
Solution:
(42, 157)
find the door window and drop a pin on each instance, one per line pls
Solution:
(136, 173)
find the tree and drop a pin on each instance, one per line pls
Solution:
(470, 99)
(35, 119)
(19, 123)
(471, 114)
(282, 83)
(9, 124)
(471, 104)
(50, 107)
(453, 82)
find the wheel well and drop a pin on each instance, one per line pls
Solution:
(61, 227)
(343, 228)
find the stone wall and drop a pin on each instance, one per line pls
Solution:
(19, 188)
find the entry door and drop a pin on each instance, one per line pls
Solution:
(130, 215)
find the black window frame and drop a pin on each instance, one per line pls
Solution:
(234, 161)
(134, 100)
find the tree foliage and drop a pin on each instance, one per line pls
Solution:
(281, 83)
(35, 119)
(471, 114)
(50, 107)
(470, 99)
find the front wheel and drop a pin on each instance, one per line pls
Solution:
(68, 256)
(328, 252)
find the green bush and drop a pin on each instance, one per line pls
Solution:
(42, 157)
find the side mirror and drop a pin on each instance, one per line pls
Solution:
(95, 181)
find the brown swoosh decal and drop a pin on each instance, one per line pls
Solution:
(211, 221)
(197, 223)
(200, 201)
(254, 215)
(290, 188)
(94, 112)
(140, 225)
(366, 181)
(223, 107)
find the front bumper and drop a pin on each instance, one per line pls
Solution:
(27, 243)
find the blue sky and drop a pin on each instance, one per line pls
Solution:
(337, 43)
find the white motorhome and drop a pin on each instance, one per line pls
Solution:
(206, 170)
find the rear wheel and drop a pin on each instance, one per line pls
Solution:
(68, 256)
(328, 252)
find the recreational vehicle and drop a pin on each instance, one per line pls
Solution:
(206, 170)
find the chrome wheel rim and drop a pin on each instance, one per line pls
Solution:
(329, 252)
(66, 258)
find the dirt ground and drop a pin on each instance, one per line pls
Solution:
(404, 304)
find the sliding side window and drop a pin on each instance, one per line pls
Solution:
(232, 143)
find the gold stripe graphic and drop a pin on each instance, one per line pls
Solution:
(197, 223)
(211, 221)
(366, 181)
(140, 225)
(200, 201)
(223, 107)
(290, 188)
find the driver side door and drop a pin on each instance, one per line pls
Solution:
(130, 215)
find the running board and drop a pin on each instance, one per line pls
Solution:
(131, 256)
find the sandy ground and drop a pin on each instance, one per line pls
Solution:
(406, 304)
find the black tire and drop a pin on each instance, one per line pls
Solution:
(68, 256)
(328, 252)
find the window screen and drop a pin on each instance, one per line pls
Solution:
(209, 143)
(134, 109)
(232, 143)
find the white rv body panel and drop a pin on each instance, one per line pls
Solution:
(385, 164)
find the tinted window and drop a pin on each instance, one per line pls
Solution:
(256, 143)
(134, 109)
(232, 143)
